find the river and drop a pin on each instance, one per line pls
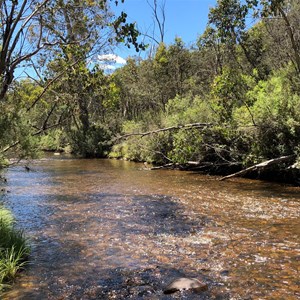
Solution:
(108, 229)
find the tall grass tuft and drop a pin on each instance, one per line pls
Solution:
(6, 216)
(14, 249)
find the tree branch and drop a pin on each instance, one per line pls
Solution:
(48, 85)
(261, 165)
(16, 143)
(160, 21)
(186, 126)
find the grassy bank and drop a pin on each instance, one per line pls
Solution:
(14, 249)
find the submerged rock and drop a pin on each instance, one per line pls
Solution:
(186, 284)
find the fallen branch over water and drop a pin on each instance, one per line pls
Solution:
(167, 166)
(262, 165)
(186, 126)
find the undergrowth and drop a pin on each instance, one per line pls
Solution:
(14, 249)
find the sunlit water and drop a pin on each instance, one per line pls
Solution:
(107, 229)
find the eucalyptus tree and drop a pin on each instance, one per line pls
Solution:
(18, 20)
(88, 29)
(30, 27)
(159, 18)
(230, 22)
(57, 39)
(282, 19)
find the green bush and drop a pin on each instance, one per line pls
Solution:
(93, 143)
(53, 140)
(273, 121)
(14, 249)
(187, 146)
(185, 110)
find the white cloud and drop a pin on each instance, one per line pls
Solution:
(112, 58)
(107, 67)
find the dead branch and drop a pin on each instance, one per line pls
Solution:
(186, 126)
(262, 165)
(167, 166)
(159, 20)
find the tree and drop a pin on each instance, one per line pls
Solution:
(159, 16)
(18, 20)
(57, 38)
(30, 27)
(211, 49)
(228, 22)
(84, 37)
(171, 67)
(285, 14)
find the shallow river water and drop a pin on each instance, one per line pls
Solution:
(107, 229)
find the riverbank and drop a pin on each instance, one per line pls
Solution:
(279, 172)
(284, 169)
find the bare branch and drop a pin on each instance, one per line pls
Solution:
(151, 37)
(261, 165)
(186, 126)
(159, 20)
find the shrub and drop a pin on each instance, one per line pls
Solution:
(14, 249)
(93, 143)
(53, 140)
(274, 118)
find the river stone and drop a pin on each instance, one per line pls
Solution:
(185, 284)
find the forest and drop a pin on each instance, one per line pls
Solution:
(225, 104)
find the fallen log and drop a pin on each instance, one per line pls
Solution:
(167, 166)
(262, 165)
(177, 165)
(193, 163)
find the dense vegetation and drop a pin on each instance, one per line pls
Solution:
(239, 87)
(14, 249)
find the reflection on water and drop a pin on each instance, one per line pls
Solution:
(107, 229)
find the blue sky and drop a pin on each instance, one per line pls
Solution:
(184, 18)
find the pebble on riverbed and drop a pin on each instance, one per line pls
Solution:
(186, 284)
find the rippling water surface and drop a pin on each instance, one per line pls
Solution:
(107, 229)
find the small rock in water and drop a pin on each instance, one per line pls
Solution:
(186, 284)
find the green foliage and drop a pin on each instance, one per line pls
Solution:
(187, 146)
(11, 263)
(229, 17)
(185, 110)
(6, 216)
(16, 133)
(91, 143)
(172, 146)
(151, 148)
(276, 115)
(55, 140)
(127, 33)
(228, 92)
(14, 249)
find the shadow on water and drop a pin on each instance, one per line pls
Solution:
(92, 246)
(121, 283)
